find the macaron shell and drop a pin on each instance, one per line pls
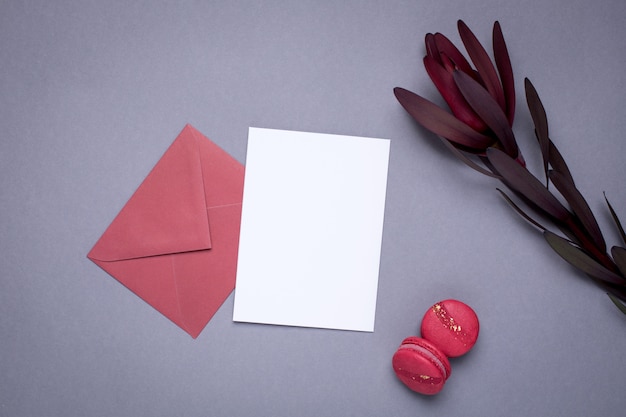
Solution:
(432, 349)
(421, 366)
(452, 326)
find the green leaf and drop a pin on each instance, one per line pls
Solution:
(616, 219)
(618, 303)
(522, 181)
(579, 259)
(579, 207)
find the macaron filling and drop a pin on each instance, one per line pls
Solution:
(429, 355)
(448, 329)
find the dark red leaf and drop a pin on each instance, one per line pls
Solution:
(618, 291)
(439, 121)
(520, 211)
(619, 256)
(538, 114)
(616, 220)
(488, 110)
(444, 81)
(503, 63)
(445, 47)
(618, 303)
(483, 64)
(431, 47)
(467, 161)
(579, 207)
(558, 163)
(579, 259)
(522, 181)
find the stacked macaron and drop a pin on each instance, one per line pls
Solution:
(449, 329)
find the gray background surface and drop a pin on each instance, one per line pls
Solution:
(91, 95)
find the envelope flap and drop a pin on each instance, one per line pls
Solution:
(223, 174)
(167, 213)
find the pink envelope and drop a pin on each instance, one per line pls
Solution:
(175, 242)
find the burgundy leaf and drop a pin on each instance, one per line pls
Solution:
(483, 64)
(520, 211)
(616, 219)
(558, 163)
(467, 161)
(444, 81)
(445, 47)
(503, 62)
(619, 256)
(431, 47)
(618, 291)
(522, 181)
(439, 121)
(488, 110)
(579, 207)
(618, 303)
(579, 259)
(538, 114)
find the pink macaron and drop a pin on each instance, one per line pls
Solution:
(452, 326)
(421, 366)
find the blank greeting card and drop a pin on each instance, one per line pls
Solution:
(311, 229)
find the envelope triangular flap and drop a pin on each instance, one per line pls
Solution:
(223, 174)
(167, 213)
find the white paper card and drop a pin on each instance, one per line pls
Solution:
(311, 229)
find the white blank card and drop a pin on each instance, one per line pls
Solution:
(311, 229)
